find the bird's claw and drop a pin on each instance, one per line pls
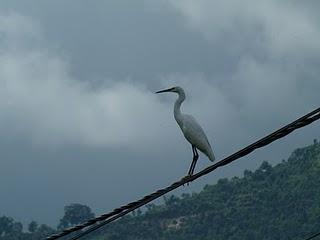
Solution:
(186, 178)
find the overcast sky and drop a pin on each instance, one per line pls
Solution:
(79, 119)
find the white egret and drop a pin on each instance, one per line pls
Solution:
(191, 130)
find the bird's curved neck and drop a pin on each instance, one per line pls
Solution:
(177, 105)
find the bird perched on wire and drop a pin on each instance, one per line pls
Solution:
(192, 131)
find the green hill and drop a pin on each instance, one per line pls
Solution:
(280, 202)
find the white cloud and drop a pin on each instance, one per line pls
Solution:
(278, 26)
(276, 47)
(41, 102)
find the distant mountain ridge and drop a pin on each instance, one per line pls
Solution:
(273, 202)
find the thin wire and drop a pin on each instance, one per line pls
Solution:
(123, 210)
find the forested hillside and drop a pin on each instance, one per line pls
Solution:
(280, 202)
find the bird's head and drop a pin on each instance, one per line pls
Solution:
(176, 89)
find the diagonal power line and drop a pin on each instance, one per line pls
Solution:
(104, 219)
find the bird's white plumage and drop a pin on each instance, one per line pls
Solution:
(195, 135)
(192, 131)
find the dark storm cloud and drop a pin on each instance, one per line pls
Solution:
(118, 39)
(67, 138)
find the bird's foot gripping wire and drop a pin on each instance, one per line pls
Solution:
(186, 178)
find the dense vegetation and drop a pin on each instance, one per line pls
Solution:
(280, 202)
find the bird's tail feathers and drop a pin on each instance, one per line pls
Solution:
(211, 156)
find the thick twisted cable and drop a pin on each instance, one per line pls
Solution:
(119, 212)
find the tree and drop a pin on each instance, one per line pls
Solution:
(9, 229)
(43, 231)
(33, 227)
(5, 225)
(75, 214)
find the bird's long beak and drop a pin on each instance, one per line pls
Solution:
(165, 90)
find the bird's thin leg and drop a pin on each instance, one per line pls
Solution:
(190, 169)
(196, 156)
(194, 160)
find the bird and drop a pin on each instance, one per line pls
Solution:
(191, 129)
